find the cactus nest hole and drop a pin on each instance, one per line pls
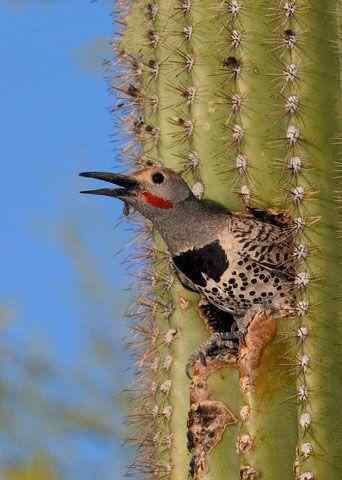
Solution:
(216, 320)
(207, 421)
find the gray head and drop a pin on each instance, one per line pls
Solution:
(154, 192)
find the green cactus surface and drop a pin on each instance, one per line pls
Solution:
(243, 98)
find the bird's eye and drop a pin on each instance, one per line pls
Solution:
(157, 177)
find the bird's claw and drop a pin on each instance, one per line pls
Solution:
(220, 346)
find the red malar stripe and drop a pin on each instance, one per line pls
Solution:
(156, 201)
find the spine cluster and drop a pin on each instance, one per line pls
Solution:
(302, 190)
(235, 64)
(298, 193)
(135, 82)
(233, 101)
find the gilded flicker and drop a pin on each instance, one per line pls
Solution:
(239, 262)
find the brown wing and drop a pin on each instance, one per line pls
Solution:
(280, 219)
(267, 238)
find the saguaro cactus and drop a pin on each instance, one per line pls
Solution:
(243, 98)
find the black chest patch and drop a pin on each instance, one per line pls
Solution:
(210, 260)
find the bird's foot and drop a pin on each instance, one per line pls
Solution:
(220, 349)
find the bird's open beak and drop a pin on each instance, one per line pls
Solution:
(129, 185)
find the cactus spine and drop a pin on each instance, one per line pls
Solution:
(244, 98)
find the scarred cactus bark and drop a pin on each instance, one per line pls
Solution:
(244, 99)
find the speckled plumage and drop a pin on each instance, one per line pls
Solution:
(251, 263)
(240, 262)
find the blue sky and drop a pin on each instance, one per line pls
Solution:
(62, 284)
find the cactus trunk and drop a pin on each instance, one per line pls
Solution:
(243, 98)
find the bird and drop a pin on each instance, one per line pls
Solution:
(239, 262)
